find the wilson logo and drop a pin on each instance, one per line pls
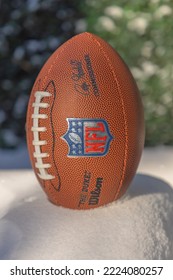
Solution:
(87, 137)
(95, 194)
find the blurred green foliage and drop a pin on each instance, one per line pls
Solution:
(142, 33)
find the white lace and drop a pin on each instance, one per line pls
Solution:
(38, 155)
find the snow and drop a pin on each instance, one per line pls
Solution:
(138, 226)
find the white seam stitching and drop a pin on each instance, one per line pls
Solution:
(41, 155)
(39, 116)
(39, 129)
(38, 155)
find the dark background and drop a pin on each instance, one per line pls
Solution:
(29, 32)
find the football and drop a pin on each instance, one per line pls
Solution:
(85, 124)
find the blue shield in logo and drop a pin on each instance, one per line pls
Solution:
(87, 137)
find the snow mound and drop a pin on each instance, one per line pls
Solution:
(138, 226)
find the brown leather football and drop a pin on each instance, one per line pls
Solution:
(85, 124)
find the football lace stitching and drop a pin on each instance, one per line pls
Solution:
(37, 143)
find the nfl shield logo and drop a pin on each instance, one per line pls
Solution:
(87, 137)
